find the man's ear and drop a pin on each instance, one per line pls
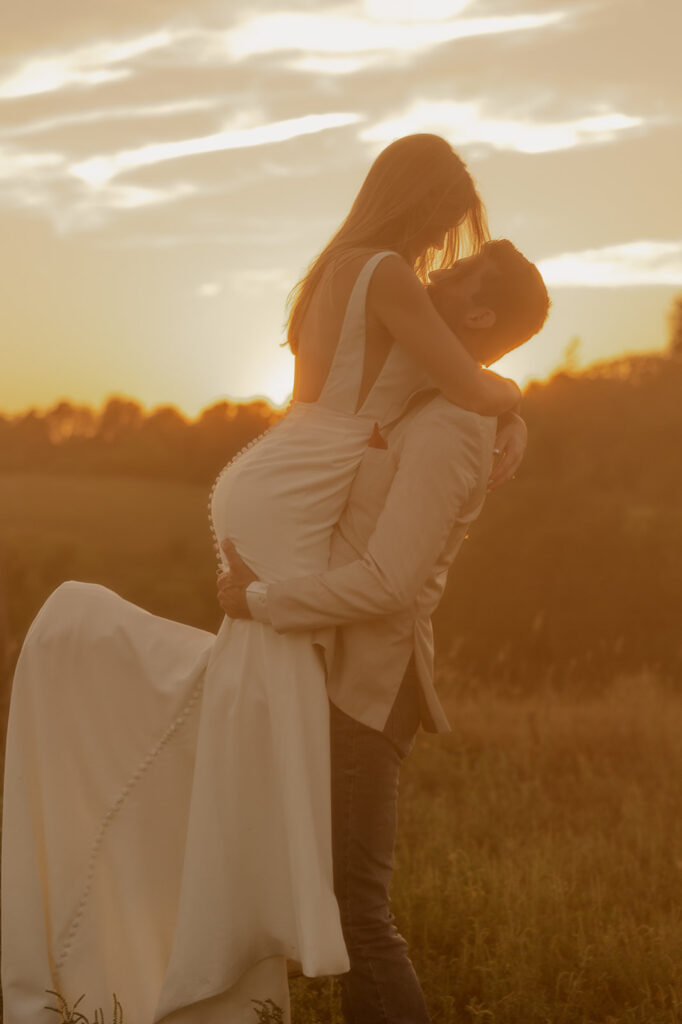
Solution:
(480, 318)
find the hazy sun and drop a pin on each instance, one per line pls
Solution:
(278, 380)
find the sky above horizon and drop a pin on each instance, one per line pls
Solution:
(168, 171)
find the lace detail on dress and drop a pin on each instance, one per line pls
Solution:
(60, 959)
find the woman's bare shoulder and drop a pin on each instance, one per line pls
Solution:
(394, 282)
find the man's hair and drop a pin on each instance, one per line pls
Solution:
(515, 291)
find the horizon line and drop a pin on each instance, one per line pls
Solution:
(564, 367)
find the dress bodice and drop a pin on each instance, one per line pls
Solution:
(398, 378)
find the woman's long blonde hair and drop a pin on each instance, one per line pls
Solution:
(412, 182)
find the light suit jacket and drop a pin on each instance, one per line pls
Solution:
(408, 512)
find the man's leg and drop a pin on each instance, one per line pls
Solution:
(381, 986)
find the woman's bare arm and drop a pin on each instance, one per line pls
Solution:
(401, 303)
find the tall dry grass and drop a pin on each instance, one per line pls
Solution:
(539, 864)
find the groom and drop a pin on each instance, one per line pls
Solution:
(419, 486)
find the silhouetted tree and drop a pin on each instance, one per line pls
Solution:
(119, 418)
(163, 441)
(675, 323)
(5, 433)
(29, 443)
(223, 429)
(65, 421)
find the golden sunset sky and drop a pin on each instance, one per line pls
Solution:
(168, 170)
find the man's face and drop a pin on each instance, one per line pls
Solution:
(454, 294)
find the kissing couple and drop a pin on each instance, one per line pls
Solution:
(191, 817)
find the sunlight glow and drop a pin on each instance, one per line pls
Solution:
(101, 169)
(464, 124)
(642, 263)
(278, 379)
(336, 33)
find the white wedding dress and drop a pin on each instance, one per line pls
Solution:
(166, 798)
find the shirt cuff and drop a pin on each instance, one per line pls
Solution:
(257, 600)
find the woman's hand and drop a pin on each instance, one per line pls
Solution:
(510, 445)
(402, 305)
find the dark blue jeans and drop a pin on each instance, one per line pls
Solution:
(381, 986)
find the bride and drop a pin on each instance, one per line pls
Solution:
(166, 801)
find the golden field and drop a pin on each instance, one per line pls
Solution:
(539, 867)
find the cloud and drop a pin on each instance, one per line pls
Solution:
(130, 197)
(85, 66)
(100, 169)
(384, 27)
(332, 65)
(18, 165)
(100, 114)
(409, 10)
(40, 181)
(82, 194)
(75, 160)
(209, 290)
(466, 124)
(631, 264)
(334, 33)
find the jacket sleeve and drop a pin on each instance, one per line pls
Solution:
(438, 472)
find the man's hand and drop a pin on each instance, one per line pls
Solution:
(510, 446)
(232, 585)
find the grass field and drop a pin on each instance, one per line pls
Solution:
(148, 540)
(539, 866)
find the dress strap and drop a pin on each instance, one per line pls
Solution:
(342, 386)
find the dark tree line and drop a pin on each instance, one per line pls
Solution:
(122, 439)
(578, 563)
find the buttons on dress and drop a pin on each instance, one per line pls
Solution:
(222, 473)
